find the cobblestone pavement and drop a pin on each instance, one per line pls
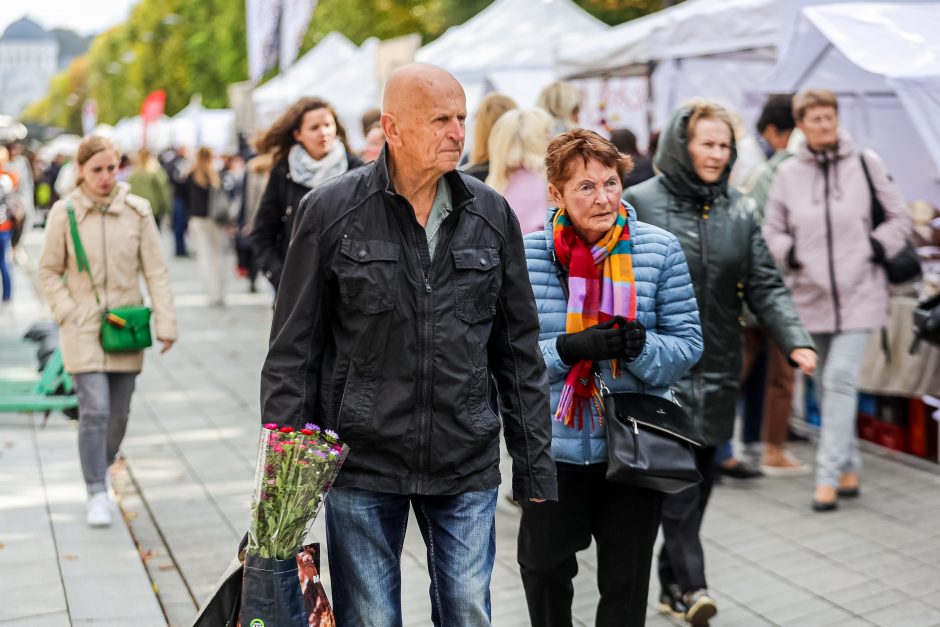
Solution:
(185, 487)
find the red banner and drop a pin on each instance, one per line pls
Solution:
(153, 106)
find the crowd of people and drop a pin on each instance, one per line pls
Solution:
(426, 302)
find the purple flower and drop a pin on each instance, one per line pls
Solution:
(320, 454)
(311, 426)
(332, 434)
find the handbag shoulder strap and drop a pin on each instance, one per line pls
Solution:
(81, 257)
(877, 210)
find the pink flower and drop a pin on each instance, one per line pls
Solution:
(269, 469)
(265, 496)
(278, 449)
(271, 481)
(271, 425)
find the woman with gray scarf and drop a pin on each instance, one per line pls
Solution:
(303, 144)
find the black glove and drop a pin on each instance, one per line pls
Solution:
(634, 339)
(603, 341)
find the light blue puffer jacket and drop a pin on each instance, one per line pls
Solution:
(665, 306)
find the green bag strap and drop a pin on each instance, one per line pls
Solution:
(81, 257)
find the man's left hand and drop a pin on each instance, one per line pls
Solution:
(536, 500)
(805, 359)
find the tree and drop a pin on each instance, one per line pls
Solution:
(188, 47)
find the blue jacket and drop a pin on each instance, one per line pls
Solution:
(665, 306)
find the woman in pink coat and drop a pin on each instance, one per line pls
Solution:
(818, 225)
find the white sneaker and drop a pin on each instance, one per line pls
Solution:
(99, 510)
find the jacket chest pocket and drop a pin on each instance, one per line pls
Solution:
(367, 272)
(477, 279)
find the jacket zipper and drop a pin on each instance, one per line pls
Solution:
(104, 256)
(703, 310)
(829, 247)
(427, 361)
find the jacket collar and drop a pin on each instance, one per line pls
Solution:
(459, 192)
(83, 204)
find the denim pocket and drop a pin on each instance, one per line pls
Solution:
(477, 279)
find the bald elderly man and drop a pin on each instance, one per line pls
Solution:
(404, 291)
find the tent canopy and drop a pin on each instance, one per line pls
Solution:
(352, 89)
(508, 40)
(883, 59)
(695, 28)
(303, 77)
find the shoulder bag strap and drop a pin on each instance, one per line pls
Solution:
(877, 211)
(81, 257)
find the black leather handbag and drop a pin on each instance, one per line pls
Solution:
(649, 442)
(904, 266)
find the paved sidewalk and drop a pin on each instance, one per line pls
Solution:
(186, 484)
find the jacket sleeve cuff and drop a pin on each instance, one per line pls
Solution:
(534, 487)
(553, 361)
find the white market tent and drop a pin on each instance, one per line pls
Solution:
(715, 49)
(511, 46)
(195, 126)
(353, 88)
(303, 78)
(883, 61)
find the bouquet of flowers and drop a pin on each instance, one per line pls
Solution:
(295, 470)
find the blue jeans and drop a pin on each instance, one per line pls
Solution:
(6, 237)
(365, 533)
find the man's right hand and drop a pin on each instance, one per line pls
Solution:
(602, 341)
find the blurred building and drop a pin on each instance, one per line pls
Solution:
(29, 57)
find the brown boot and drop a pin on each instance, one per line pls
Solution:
(825, 498)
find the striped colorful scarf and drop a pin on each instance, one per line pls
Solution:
(600, 287)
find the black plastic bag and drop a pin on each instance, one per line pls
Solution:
(271, 594)
(222, 607)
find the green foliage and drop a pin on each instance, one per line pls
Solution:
(188, 47)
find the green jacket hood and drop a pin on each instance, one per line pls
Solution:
(674, 161)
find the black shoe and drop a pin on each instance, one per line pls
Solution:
(848, 493)
(670, 602)
(741, 470)
(702, 608)
(820, 506)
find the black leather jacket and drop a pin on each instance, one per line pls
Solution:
(274, 221)
(394, 350)
(730, 267)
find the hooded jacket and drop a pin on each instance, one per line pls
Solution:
(665, 306)
(122, 243)
(730, 266)
(394, 350)
(818, 224)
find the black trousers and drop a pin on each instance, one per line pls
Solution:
(623, 522)
(681, 558)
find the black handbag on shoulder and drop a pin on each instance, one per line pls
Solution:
(904, 266)
(649, 442)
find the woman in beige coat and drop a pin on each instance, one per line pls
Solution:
(122, 242)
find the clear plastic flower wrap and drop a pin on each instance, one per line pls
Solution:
(295, 471)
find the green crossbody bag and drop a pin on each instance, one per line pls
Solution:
(123, 329)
